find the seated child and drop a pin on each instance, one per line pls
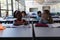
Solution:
(24, 15)
(39, 15)
(46, 18)
(19, 20)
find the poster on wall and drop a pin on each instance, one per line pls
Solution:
(33, 9)
(46, 8)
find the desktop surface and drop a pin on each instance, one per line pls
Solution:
(16, 32)
(47, 32)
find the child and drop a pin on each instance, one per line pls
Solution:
(24, 15)
(15, 13)
(19, 20)
(46, 17)
(39, 15)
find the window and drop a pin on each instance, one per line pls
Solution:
(9, 6)
(6, 6)
(3, 13)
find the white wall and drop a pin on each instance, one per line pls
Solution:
(32, 4)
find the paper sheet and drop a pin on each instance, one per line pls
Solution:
(54, 25)
(22, 26)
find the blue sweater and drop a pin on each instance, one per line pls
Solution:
(38, 18)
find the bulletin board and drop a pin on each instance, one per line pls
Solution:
(33, 9)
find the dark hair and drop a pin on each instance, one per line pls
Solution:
(38, 12)
(14, 14)
(19, 15)
(24, 12)
(46, 11)
(18, 12)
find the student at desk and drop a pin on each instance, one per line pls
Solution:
(19, 20)
(46, 17)
(39, 15)
(24, 15)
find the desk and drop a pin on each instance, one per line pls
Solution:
(7, 20)
(23, 33)
(46, 32)
(56, 20)
(40, 33)
(55, 16)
